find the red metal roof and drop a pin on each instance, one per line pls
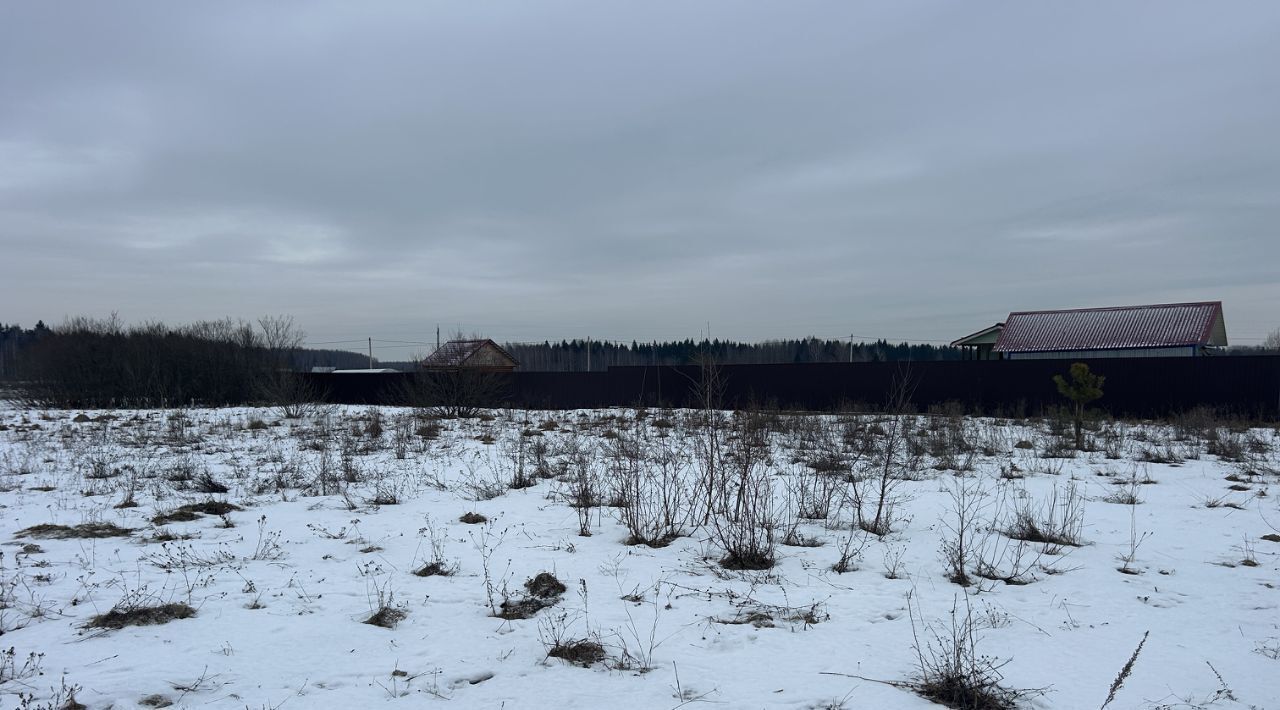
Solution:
(1155, 326)
(455, 353)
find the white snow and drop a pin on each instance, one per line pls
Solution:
(280, 597)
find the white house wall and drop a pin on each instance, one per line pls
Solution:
(1185, 351)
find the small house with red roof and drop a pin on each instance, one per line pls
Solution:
(470, 355)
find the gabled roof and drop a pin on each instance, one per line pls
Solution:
(456, 353)
(364, 371)
(1156, 326)
(981, 336)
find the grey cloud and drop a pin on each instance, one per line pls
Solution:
(566, 168)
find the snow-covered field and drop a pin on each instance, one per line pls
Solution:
(266, 605)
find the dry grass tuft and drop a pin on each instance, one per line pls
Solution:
(435, 569)
(175, 516)
(544, 591)
(655, 543)
(193, 511)
(545, 585)
(513, 609)
(84, 530)
(582, 652)
(121, 617)
(387, 617)
(747, 560)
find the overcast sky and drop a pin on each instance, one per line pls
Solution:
(620, 170)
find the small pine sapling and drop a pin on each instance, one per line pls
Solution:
(1083, 388)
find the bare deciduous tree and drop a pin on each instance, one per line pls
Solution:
(1272, 341)
(292, 393)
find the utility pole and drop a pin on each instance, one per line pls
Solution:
(851, 347)
(588, 354)
(370, 353)
(437, 336)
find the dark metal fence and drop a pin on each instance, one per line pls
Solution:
(1246, 385)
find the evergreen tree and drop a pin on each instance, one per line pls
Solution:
(1083, 388)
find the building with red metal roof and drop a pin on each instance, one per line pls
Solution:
(470, 355)
(1159, 330)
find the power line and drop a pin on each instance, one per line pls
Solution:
(336, 342)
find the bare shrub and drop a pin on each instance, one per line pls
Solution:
(385, 492)
(206, 483)
(893, 565)
(436, 563)
(1135, 541)
(1126, 493)
(1113, 441)
(12, 672)
(184, 557)
(951, 442)
(1165, 454)
(969, 501)
(851, 548)
(875, 497)
(429, 430)
(1014, 562)
(1057, 447)
(745, 528)
(654, 487)
(951, 672)
(815, 494)
(460, 393)
(831, 448)
(582, 484)
(293, 394)
(1058, 520)
(709, 432)
(514, 461)
(554, 631)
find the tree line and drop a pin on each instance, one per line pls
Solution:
(88, 362)
(574, 355)
(13, 340)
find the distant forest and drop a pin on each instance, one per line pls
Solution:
(18, 350)
(572, 355)
(14, 340)
(16, 346)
